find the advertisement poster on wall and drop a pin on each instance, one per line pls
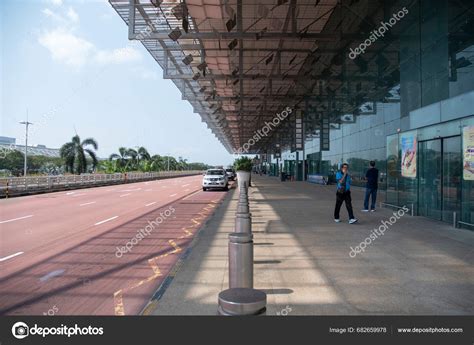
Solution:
(408, 145)
(468, 152)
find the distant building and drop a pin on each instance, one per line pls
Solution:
(7, 140)
(7, 143)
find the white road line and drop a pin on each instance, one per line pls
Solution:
(78, 194)
(186, 198)
(106, 220)
(52, 274)
(69, 193)
(12, 220)
(88, 203)
(121, 196)
(148, 190)
(186, 190)
(173, 194)
(10, 256)
(151, 203)
(130, 190)
(184, 185)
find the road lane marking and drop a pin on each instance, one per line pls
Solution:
(151, 203)
(12, 220)
(88, 203)
(118, 303)
(148, 190)
(78, 194)
(10, 256)
(186, 190)
(106, 220)
(192, 195)
(174, 194)
(130, 190)
(121, 196)
(52, 274)
(185, 185)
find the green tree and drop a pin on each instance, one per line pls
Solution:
(143, 153)
(124, 159)
(74, 154)
(13, 162)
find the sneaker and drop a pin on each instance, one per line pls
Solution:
(337, 220)
(372, 210)
(353, 220)
(365, 210)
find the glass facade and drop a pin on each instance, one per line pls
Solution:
(438, 191)
(432, 98)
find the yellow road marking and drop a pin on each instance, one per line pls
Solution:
(118, 303)
(118, 295)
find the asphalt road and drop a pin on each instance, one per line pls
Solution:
(96, 251)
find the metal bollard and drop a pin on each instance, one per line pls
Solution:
(243, 207)
(243, 223)
(242, 301)
(240, 260)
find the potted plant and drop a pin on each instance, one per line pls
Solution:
(243, 166)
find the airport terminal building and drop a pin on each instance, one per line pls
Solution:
(421, 132)
(389, 81)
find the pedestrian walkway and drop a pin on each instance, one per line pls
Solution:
(303, 262)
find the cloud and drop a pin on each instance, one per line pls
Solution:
(69, 48)
(72, 15)
(127, 54)
(48, 13)
(66, 47)
(56, 2)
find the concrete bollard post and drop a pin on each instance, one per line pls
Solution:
(240, 260)
(242, 301)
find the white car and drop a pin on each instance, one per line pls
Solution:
(215, 178)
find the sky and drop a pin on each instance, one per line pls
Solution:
(70, 66)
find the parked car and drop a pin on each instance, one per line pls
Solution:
(231, 175)
(215, 178)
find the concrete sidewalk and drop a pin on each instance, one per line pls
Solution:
(302, 259)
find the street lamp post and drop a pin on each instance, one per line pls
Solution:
(26, 123)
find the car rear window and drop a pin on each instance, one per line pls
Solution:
(214, 172)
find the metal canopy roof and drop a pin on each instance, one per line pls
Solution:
(241, 62)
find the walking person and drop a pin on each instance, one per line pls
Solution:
(343, 194)
(371, 187)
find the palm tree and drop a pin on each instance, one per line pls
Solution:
(122, 157)
(143, 153)
(159, 162)
(74, 154)
(182, 163)
(133, 154)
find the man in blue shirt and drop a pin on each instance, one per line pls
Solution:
(343, 194)
(372, 185)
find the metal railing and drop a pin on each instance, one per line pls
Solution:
(12, 186)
